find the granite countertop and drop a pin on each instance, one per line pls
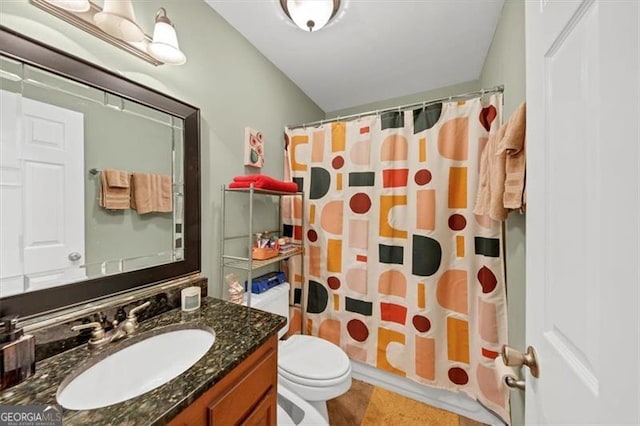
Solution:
(239, 331)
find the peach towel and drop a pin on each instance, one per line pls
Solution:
(151, 193)
(502, 169)
(114, 189)
(513, 144)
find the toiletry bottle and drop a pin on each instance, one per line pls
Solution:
(191, 298)
(17, 354)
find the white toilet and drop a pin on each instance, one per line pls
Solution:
(310, 368)
(295, 411)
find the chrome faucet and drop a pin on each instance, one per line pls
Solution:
(100, 338)
(130, 325)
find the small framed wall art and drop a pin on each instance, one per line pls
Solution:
(253, 148)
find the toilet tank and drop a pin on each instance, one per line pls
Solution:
(275, 301)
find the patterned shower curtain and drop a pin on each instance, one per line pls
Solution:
(399, 272)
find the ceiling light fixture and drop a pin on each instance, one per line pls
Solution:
(310, 15)
(78, 6)
(164, 46)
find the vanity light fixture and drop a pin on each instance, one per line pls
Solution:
(310, 15)
(72, 5)
(164, 46)
(118, 20)
(116, 24)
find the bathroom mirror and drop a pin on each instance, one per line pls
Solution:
(71, 232)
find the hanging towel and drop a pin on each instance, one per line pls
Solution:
(151, 193)
(502, 169)
(263, 182)
(114, 189)
(513, 144)
(491, 182)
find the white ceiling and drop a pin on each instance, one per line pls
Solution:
(374, 49)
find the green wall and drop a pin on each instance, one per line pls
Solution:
(225, 76)
(505, 64)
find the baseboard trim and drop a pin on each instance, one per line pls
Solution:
(457, 403)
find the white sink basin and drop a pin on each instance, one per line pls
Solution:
(141, 366)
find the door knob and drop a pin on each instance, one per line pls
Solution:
(512, 382)
(514, 358)
(74, 256)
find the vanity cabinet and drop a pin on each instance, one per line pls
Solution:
(247, 395)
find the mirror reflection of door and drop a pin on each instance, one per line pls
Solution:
(42, 195)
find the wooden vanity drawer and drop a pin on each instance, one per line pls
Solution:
(247, 395)
(237, 402)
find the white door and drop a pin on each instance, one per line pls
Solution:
(583, 207)
(11, 263)
(43, 195)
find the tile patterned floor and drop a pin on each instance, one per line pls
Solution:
(368, 405)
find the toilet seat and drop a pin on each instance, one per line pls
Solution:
(312, 358)
(313, 368)
(313, 382)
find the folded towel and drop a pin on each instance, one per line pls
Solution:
(114, 189)
(165, 200)
(502, 169)
(116, 178)
(151, 193)
(513, 144)
(254, 178)
(263, 182)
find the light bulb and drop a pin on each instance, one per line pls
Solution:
(310, 15)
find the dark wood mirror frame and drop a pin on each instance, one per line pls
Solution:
(18, 47)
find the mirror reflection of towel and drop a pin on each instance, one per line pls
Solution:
(151, 193)
(114, 189)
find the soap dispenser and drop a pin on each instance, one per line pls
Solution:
(17, 354)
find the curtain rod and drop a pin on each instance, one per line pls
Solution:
(401, 107)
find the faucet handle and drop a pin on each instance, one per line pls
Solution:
(134, 311)
(96, 334)
(8, 329)
(9, 322)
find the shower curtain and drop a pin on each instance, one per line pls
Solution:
(398, 271)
